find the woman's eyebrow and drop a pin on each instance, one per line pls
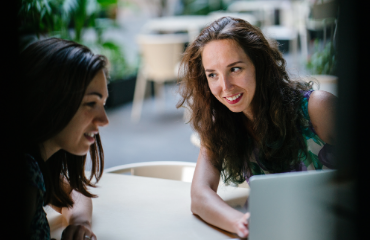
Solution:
(232, 64)
(95, 93)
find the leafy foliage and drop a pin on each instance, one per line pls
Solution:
(202, 7)
(39, 11)
(323, 60)
(56, 18)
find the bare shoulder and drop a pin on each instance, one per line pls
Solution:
(321, 109)
(322, 97)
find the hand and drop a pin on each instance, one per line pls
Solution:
(241, 226)
(78, 232)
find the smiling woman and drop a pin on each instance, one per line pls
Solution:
(251, 118)
(64, 93)
(231, 75)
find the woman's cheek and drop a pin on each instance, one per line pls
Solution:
(214, 89)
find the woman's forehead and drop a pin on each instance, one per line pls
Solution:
(223, 52)
(98, 84)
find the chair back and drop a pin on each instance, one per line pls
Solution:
(161, 54)
(173, 170)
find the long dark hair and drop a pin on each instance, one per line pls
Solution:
(276, 105)
(54, 76)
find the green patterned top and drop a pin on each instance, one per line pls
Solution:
(320, 154)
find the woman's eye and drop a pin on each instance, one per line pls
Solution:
(91, 104)
(211, 75)
(235, 69)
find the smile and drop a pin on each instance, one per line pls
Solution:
(234, 99)
(90, 137)
(90, 134)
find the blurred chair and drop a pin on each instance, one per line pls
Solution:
(160, 54)
(181, 171)
(323, 17)
(172, 170)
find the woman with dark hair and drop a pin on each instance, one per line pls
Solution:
(251, 118)
(64, 93)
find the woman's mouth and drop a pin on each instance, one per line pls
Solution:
(90, 137)
(234, 99)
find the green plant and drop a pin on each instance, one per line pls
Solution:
(323, 60)
(36, 16)
(118, 67)
(202, 7)
(56, 18)
(53, 17)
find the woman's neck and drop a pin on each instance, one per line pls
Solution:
(249, 126)
(249, 114)
(47, 149)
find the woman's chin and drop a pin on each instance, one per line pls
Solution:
(80, 152)
(235, 109)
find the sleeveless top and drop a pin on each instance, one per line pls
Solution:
(319, 154)
(40, 229)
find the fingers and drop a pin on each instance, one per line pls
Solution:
(246, 217)
(242, 226)
(242, 230)
(77, 232)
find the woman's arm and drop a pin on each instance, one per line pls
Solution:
(78, 218)
(321, 108)
(208, 205)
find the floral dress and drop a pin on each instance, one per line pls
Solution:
(40, 229)
(320, 154)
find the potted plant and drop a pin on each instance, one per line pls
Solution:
(322, 61)
(321, 64)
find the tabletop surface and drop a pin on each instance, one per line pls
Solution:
(132, 207)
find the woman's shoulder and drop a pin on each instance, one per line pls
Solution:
(321, 111)
(306, 94)
(314, 102)
(321, 99)
(34, 174)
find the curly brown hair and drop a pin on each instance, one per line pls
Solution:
(229, 137)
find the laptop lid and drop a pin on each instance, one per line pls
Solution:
(292, 206)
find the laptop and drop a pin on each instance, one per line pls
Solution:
(292, 206)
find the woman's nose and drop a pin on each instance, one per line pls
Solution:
(226, 83)
(102, 119)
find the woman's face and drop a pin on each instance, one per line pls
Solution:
(80, 132)
(230, 75)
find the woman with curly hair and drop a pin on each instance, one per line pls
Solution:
(251, 117)
(62, 108)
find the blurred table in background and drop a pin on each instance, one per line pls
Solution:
(132, 207)
(191, 24)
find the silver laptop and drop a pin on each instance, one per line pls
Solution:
(292, 206)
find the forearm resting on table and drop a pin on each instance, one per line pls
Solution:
(81, 213)
(208, 205)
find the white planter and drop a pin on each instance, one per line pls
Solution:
(327, 83)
